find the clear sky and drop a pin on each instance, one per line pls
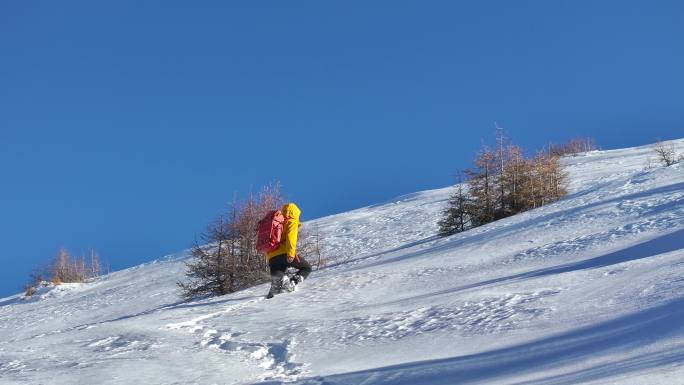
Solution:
(128, 125)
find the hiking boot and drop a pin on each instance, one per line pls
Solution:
(287, 284)
(276, 286)
(297, 279)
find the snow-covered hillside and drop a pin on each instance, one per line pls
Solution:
(589, 289)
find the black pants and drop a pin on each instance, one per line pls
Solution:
(279, 264)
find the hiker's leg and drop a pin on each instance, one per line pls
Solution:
(278, 265)
(303, 266)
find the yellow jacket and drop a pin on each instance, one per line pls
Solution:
(288, 239)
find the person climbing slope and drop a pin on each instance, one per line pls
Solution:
(285, 254)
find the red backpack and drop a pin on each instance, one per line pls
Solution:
(269, 230)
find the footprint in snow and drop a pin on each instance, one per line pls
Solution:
(276, 358)
(120, 344)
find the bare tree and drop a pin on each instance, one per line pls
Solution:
(94, 264)
(557, 179)
(514, 179)
(60, 267)
(64, 268)
(29, 289)
(504, 183)
(225, 259)
(501, 161)
(539, 182)
(208, 272)
(457, 216)
(311, 246)
(482, 186)
(572, 147)
(666, 153)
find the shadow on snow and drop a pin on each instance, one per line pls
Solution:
(546, 354)
(656, 246)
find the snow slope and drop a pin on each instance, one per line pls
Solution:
(589, 289)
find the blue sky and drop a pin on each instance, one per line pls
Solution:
(127, 126)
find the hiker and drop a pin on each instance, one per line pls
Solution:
(285, 255)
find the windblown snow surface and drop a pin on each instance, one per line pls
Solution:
(589, 289)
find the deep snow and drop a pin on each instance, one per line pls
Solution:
(588, 289)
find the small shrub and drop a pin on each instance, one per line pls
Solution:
(666, 154)
(311, 245)
(572, 147)
(29, 290)
(64, 268)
